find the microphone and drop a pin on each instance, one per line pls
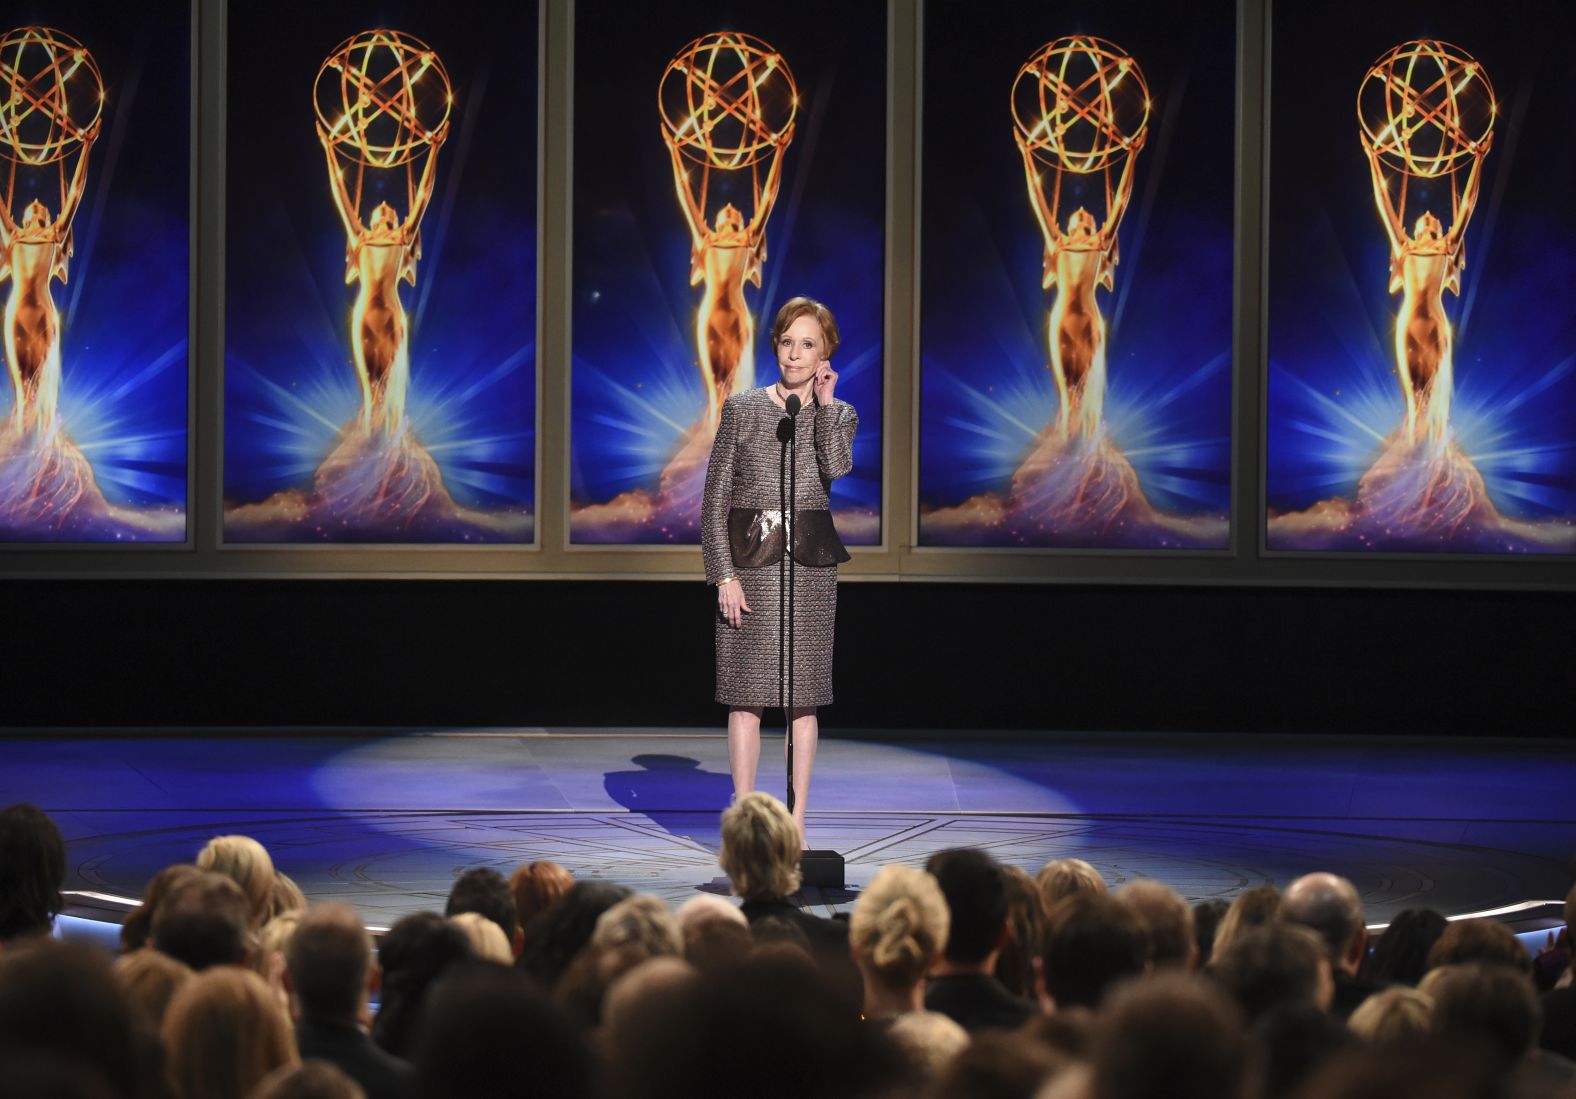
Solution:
(785, 426)
(793, 404)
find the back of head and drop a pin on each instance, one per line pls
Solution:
(1171, 1036)
(899, 925)
(32, 870)
(642, 923)
(1401, 953)
(488, 942)
(713, 941)
(493, 1032)
(537, 885)
(1167, 919)
(1091, 942)
(224, 1032)
(1327, 905)
(703, 907)
(412, 954)
(329, 959)
(204, 920)
(998, 1065)
(1482, 941)
(273, 939)
(286, 897)
(246, 862)
(485, 892)
(138, 925)
(1492, 1005)
(1063, 877)
(1434, 1072)
(1273, 965)
(62, 1001)
(1026, 909)
(313, 1080)
(1290, 1044)
(976, 893)
(151, 979)
(1253, 908)
(1206, 920)
(1394, 1017)
(928, 1041)
(564, 928)
(760, 847)
(648, 987)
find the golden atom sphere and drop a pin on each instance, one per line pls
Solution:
(51, 95)
(382, 97)
(727, 100)
(1080, 103)
(1426, 107)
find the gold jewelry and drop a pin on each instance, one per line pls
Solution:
(726, 580)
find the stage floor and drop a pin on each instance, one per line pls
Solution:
(385, 821)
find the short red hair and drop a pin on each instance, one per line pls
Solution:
(795, 308)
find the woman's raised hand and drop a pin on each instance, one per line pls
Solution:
(730, 602)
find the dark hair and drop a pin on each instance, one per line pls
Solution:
(563, 928)
(204, 920)
(1091, 941)
(485, 892)
(998, 1065)
(329, 956)
(138, 926)
(1479, 941)
(493, 1032)
(1026, 924)
(1291, 1043)
(1401, 954)
(1271, 965)
(1206, 918)
(976, 892)
(1166, 918)
(413, 953)
(1170, 1035)
(61, 1000)
(1490, 1004)
(32, 870)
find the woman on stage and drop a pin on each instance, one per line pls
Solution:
(770, 573)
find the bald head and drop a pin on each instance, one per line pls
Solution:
(1329, 906)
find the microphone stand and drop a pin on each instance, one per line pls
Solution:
(787, 495)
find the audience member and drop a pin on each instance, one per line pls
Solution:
(1328, 905)
(535, 886)
(286, 897)
(642, 923)
(998, 1065)
(1480, 941)
(1169, 1036)
(247, 863)
(927, 1041)
(1401, 954)
(1397, 1016)
(150, 979)
(1068, 1031)
(1063, 877)
(1092, 941)
(492, 1032)
(311, 1080)
(332, 974)
(138, 925)
(1275, 965)
(1252, 908)
(412, 954)
(703, 907)
(962, 986)
(268, 957)
(760, 855)
(648, 986)
(204, 920)
(32, 872)
(1167, 921)
(488, 942)
(1015, 967)
(1206, 921)
(1495, 1007)
(563, 928)
(60, 1003)
(225, 1032)
(582, 990)
(715, 931)
(896, 933)
(1559, 1005)
(1290, 1044)
(484, 891)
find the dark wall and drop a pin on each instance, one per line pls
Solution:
(908, 655)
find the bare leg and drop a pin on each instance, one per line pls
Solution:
(806, 734)
(744, 747)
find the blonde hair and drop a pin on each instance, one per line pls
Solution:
(274, 939)
(286, 897)
(899, 924)
(760, 847)
(1063, 877)
(1393, 1017)
(486, 938)
(224, 1032)
(247, 863)
(151, 979)
(1256, 907)
(537, 885)
(794, 308)
(708, 906)
(642, 923)
(928, 1039)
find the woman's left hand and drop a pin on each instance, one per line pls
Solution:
(825, 382)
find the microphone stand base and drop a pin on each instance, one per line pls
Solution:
(822, 869)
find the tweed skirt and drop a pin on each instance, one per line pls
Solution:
(752, 661)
